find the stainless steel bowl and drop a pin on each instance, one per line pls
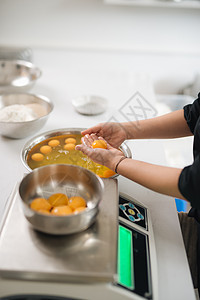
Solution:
(17, 76)
(19, 130)
(70, 180)
(63, 131)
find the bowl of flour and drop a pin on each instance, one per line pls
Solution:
(22, 115)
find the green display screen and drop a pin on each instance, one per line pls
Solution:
(125, 258)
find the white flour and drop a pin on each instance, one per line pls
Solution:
(17, 113)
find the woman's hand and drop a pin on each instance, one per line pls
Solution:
(114, 133)
(107, 157)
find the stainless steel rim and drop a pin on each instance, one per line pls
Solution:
(39, 138)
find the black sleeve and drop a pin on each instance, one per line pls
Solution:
(189, 183)
(189, 180)
(192, 113)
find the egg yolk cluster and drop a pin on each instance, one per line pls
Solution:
(70, 144)
(44, 150)
(59, 204)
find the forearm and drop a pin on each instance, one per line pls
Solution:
(172, 125)
(160, 179)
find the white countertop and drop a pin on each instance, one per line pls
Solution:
(69, 74)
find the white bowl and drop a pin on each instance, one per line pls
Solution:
(89, 104)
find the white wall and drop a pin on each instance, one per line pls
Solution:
(93, 24)
(163, 42)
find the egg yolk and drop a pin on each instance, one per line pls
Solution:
(99, 144)
(69, 146)
(45, 149)
(58, 199)
(54, 143)
(70, 141)
(108, 173)
(79, 209)
(76, 201)
(40, 204)
(37, 157)
(61, 210)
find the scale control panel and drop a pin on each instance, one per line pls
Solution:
(133, 212)
(134, 266)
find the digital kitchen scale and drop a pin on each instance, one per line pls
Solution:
(114, 259)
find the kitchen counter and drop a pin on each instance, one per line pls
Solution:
(68, 74)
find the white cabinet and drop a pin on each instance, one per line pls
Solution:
(158, 3)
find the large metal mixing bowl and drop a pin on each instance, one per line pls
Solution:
(18, 130)
(64, 131)
(70, 180)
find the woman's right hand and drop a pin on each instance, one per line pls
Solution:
(114, 133)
